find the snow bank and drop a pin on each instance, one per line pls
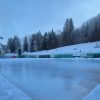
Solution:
(94, 95)
(8, 55)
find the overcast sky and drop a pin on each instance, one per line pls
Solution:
(23, 17)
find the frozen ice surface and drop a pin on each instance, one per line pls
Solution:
(9, 91)
(94, 94)
(53, 79)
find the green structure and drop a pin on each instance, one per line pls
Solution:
(44, 56)
(32, 56)
(63, 56)
(93, 55)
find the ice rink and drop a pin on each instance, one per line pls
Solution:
(53, 79)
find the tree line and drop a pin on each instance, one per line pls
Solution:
(52, 39)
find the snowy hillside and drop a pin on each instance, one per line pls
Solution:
(73, 49)
(79, 50)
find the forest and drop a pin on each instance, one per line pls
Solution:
(88, 32)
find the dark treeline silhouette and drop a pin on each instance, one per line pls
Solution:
(88, 32)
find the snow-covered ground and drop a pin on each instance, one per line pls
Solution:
(79, 49)
(53, 79)
(75, 50)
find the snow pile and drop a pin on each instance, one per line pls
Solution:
(10, 54)
(94, 95)
(8, 91)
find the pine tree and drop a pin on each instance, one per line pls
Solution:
(70, 26)
(53, 42)
(45, 44)
(96, 32)
(10, 45)
(25, 45)
(67, 32)
(65, 28)
(16, 43)
(39, 40)
(32, 39)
